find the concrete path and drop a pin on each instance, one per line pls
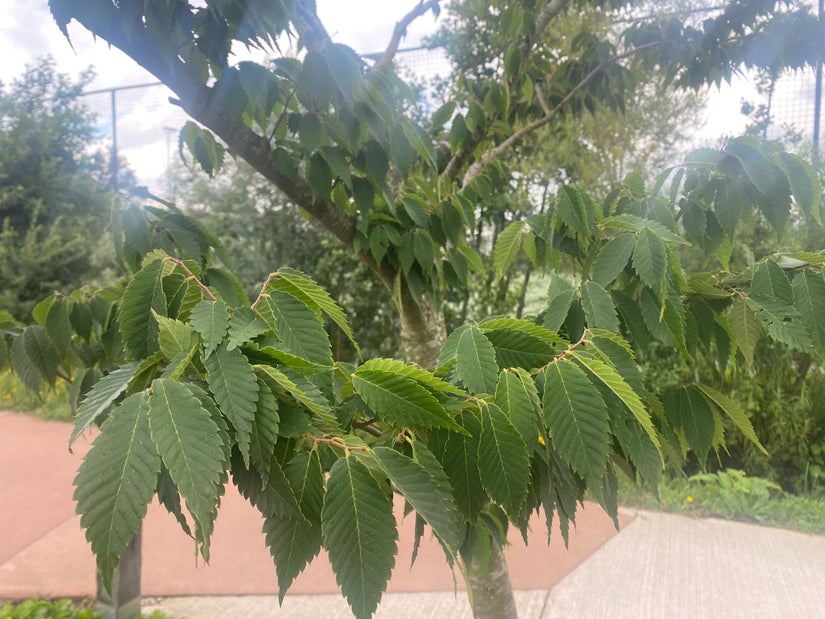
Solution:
(660, 566)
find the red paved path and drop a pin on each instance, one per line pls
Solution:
(43, 551)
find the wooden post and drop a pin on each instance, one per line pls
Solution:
(124, 602)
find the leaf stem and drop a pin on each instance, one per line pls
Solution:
(337, 442)
(192, 276)
(269, 278)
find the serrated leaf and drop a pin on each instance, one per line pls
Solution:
(116, 482)
(745, 326)
(576, 418)
(264, 430)
(244, 326)
(232, 381)
(292, 388)
(299, 328)
(804, 184)
(508, 245)
(519, 324)
(557, 310)
(503, 460)
(513, 398)
(598, 307)
(736, 413)
(781, 322)
(412, 371)
(136, 321)
(572, 210)
(169, 497)
(58, 326)
(460, 461)
(476, 362)
(770, 282)
(101, 396)
(612, 258)
(650, 260)
(613, 381)
(188, 443)
(359, 533)
(616, 351)
(174, 337)
(809, 299)
(294, 542)
(688, 409)
(211, 320)
(433, 502)
(400, 400)
(515, 348)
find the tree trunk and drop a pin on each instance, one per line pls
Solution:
(423, 333)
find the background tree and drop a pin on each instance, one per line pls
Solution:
(52, 207)
(330, 132)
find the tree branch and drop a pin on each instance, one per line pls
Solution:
(547, 14)
(475, 170)
(401, 29)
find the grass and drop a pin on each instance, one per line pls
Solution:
(730, 495)
(36, 608)
(51, 404)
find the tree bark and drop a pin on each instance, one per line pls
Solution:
(423, 333)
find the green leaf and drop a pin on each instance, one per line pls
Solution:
(576, 418)
(770, 282)
(736, 413)
(781, 322)
(612, 258)
(598, 307)
(476, 362)
(515, 348)
(559, 306)
(400, 400)
(615, 383)
(359, 534)
(460, 461)
(688, 409)
(572, 210)
(58, 326)
(34, 357)
(245, 325)
(513, 398)
(809, 299)
(745, 326)
(616, 351)
(626, 221)
(508, 245)
(136, 322)
(232, 380)
(116, 482)
(211, 320)
(804, 184)
(503, 460)
(526, 326)
(174, 337)
(433, 502)
(264, 430)
(299, 328)
(189, 444)
(100, 397)
(294, 542)
(291, 387)
(412, 371)
(650, 260)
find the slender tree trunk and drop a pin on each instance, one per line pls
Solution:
(423, 332)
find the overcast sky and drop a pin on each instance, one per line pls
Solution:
(27, 32)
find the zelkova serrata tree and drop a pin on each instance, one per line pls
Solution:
(511, 415)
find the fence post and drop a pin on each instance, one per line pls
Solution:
(124, 602)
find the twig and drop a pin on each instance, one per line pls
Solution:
(337, 442)
(476, 169)
(269, 278)
(192, 276)
(401, 28)
(368, 427)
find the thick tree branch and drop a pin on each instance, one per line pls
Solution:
(543, 19)
(401, 29)
(476, 169)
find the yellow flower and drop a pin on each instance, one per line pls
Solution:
(689, 499)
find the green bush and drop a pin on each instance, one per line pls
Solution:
(42, 609)
(50, 404)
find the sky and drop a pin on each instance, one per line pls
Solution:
(147, 123)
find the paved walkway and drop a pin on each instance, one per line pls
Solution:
(659, 566)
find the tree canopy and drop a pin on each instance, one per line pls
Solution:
(198, 383)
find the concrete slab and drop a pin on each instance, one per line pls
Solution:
(665, 565)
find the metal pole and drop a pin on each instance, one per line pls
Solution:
(114, 140)
(818, 95)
